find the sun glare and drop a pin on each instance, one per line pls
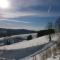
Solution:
(4, 4)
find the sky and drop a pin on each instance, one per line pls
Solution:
(28, 14)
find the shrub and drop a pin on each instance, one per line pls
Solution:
(29, 37)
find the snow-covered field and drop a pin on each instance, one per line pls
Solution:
(38, 58)
(22, 49)
(25, 48)
(56, 58)
(30, 43)
(25, 44)
(16, 38)
(21, 35)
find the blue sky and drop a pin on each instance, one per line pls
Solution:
(29, 14)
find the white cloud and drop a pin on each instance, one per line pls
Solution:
(19, 4)
(5, 14)
(32, 8)
(17, 21)
(17, 25)
(10, 14)
(25, 3)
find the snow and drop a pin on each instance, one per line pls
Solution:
(30, 43)
(27, 58)
(18, 50)
(51, 58)
(23, 49)
(25, 44)
(38, 58)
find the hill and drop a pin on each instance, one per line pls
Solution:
(9, 32)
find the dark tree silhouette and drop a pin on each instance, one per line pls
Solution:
(57, 25)
(29, 37)
(50, 26)
(45, 32)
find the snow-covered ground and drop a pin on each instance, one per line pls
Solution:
(30, 43)
(38, 58)
(25, 48)
(56, 58)
(25, 44)
(53, 58)
(21, 35)
(16, 38)
(22, 49)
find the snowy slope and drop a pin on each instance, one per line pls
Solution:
(56, 58)
(30, 43)
(25, 44)
(38, 58)
(23, 49)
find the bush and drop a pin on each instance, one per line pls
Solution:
(29, 37)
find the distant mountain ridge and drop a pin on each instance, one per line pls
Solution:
(9, 32)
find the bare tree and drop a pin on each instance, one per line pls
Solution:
(57, 28)
(57, 25)
(50, 26)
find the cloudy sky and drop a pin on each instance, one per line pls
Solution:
(28, 14)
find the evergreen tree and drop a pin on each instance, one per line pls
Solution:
(29, 37)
